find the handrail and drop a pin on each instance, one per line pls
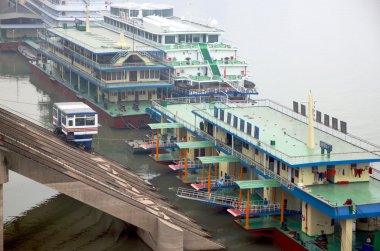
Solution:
(366, 145)
(227, 201)
(289, 159)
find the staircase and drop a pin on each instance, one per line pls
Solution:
(207, 57)
(118, 56)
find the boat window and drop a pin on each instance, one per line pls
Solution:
(63, 119)
(90, 120)
(79, 121)
(181, 38)
(212, 38)
(169, 39)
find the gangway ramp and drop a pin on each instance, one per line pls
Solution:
(209, 198)
(236, 208)
(38, 154)
(216, 183)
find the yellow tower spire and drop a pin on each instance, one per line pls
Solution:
(87, 19)
(310, 134)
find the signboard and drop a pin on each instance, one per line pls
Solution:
(242, 125)
(235, 121)
(249, 128)
(229, 118)
(215, 112)
(221, 115)
(256, 133)
(325, 146)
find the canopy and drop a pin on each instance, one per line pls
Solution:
(195, 144)
(218, 159)
(165, 125)
(251, 184)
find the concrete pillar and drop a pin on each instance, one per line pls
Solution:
(167, 237)
(314, 221)
(346, 238)
(3, 179)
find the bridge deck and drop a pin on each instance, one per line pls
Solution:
(41, 145)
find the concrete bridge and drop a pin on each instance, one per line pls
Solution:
(38, 154)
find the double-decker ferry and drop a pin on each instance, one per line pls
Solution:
(76, 122)
(139, 53)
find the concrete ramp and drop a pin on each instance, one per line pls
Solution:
(35, 152)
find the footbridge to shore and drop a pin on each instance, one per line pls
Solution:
(38, 154)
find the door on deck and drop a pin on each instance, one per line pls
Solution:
(149, 95)
(3, 33)
(133, 76)
(118, 97)
(136, 96)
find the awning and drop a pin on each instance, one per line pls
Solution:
(251, 184)
(195, 144)
(218, 159)
(165, 125)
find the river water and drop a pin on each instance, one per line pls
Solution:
(328, 47)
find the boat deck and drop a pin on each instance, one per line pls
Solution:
(360, 193)
(289, 134)
(294, 223)
(122, 109)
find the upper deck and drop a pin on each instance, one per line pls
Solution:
(99, 40)
(281, 134)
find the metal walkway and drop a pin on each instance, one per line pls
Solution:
(162, 144)
(216, 183)
(191, 165)
(256, 208)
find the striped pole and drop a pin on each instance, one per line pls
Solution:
(282, 206)
(186, 159)
(157, 142)
(209, 181)
(247, 210)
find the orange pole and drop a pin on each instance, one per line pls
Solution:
(152, 141)
(282, 206)
(186, 159)
(203, 174)
(247, 210)
(157, 142)
(180, 156)
(274, 199)
(240, 198)
(209, 181)
(179, 162)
